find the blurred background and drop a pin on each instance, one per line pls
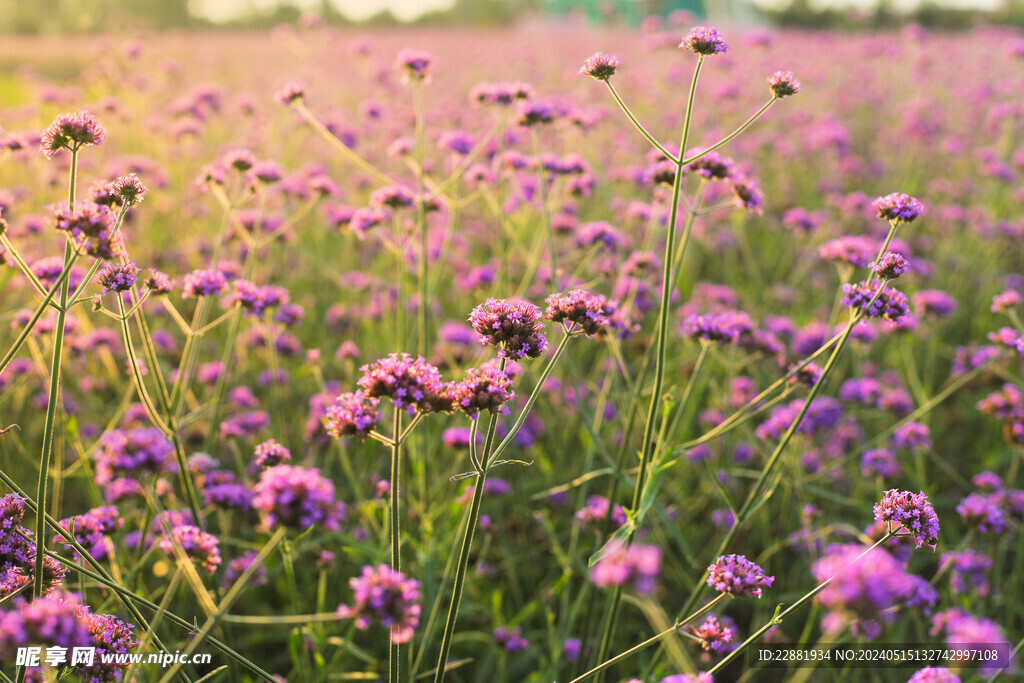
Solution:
(96, 16)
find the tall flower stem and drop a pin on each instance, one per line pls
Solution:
(467, 541)
(54, 400)
(780, 616)
(647, 447)
(395, 659)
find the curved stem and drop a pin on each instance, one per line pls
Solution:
(650, 641)
(777, 619)
(730, 136)
(643, 131)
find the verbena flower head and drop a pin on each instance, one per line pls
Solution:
(204, 283)
(856, 250)
(18, 552)
(968, 570)
(704, 40)
(118, 277)
(128, 189)
(601, 66)
(911, 512)
(296, 497)
(714, 635)
(411, 383)
(890, 304)
(783, 84)
(158, 283)
(934, 674)
(92, 529)
(71, 132)
(131, 453)
(91, 223)
(577, 309)
(983, 513)
(415, 64)
(111, 637)
(535, 113)
(385, 595)
(510, 639)
(620, 564)
(891, 266)
(725, 328)
(50, 620)
(270, 454)
(898, 207)
(738, 576)
(864, 592)
(352, 414)
(748, 193)
(197, 544)
(290, 93)
(482, 389)
(965, 631)
(1006, 300)
(236, 567)
(513, 325)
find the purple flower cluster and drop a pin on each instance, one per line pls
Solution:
(891, 266)
(204, 283)
(726, 327)
(911, 512)
(197, 544)
(415, 64)
(296, 497)
(92, 530)
(704, 40)
(411, 383)
(482, 389)
(71, 132)
(500, 94)
(118, 277)
(738, 576)
(18, 552)
(890, 304)
(713, 634)
(898, 208)
(111, 637)
(596, 510)
(512, 325)
(510, 639)
(128, 190)
(983, 513)
(856, 250)
(934, 674)
(600, 66)
(964, 630)
(270, 454)
(968, 569)
(620, 564)
(783, 84)
(352, 414)
(130, 453)
(863, 592)
(91, 224)
(385, 595)
(577, 309)
(236, 567)
(51, 620)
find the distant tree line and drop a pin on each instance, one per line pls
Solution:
(95, 16)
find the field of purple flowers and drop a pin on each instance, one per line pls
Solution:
(483, 356)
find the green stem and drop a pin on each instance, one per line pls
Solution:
(659, 366)
(51, 406)
(643, 131)
(730, 136)
(650, 641)
(395, 658)
(777, 619)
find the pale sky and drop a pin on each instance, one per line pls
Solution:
(408, 10)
